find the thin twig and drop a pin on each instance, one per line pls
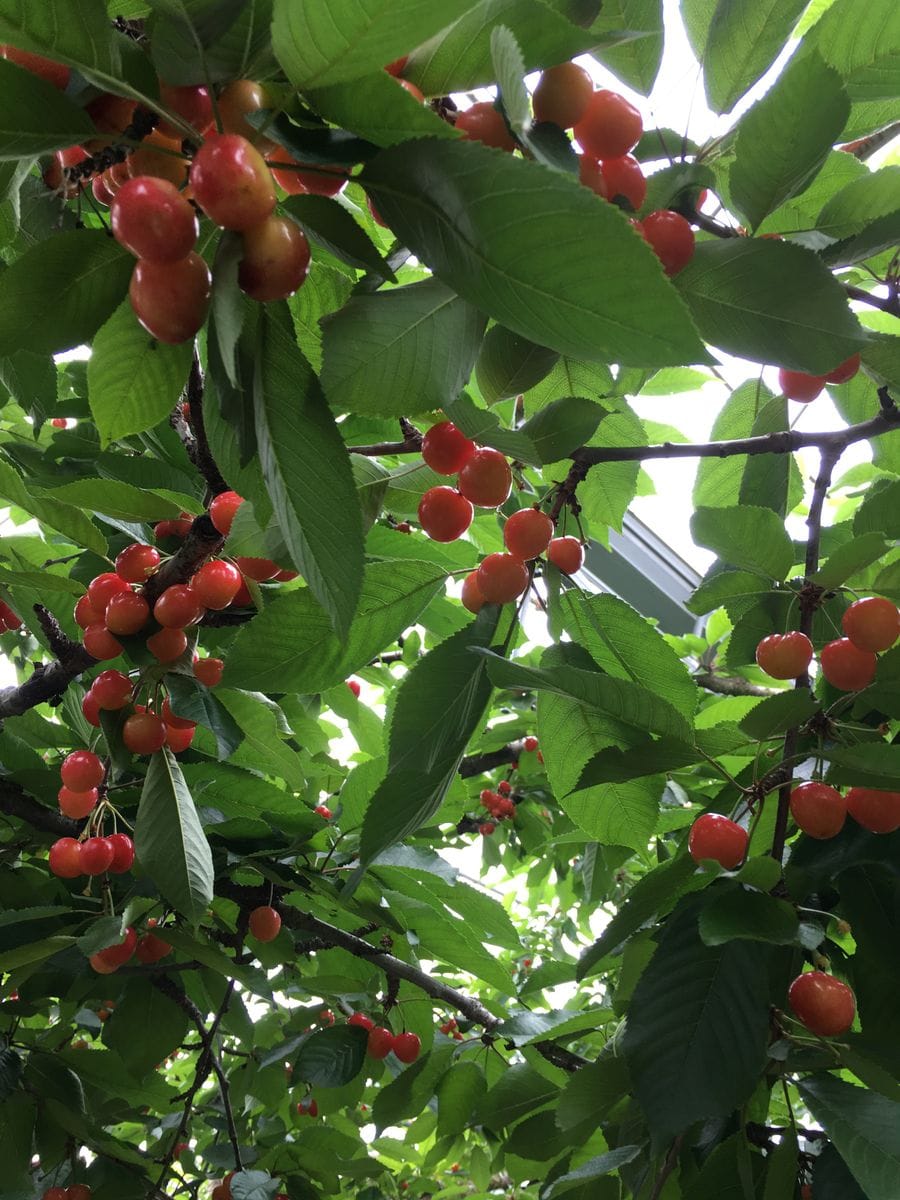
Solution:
(671, 1161)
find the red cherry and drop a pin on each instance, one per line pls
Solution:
(504, 787)
(319, 180)
(444, 514)
(275, 261)
(671, 238)
(323, 811)
(445, 448)
(59, 423)
(144, 733)
(137, 562)
(127, 613)
(472, 598)
(825, 1005)
(86, 614)
(527, 533)
(171, 719)
(486, 828)
(354, 686)
(176, 529)
(530, 744)
(53, 72)
(76, 804)
(714, 837)
(376, 215)
(116, 956)
(54, 1193)
(100, 643)
(191, 103)
(485, 478)
(380, 1042)
(609, 126)
(875, 810)
(872, 623)
(562, 95)
(415, 92)
(96, 855)
(102, 589)
(407, 1046)
(258, 569)
(396, 67)
(123, 853)
(216, 583)
(152, 219)
(167, 644)
(65, 858)
(846, 667)
(624, 177)
(150, 949)
(819, 810)
(222, 510)
(81, 770)
(90, 709)
(307, 1107)
(285, 575)
(327, 1016)
(239, 99)
(502, 578)
(177, 606)
(160, 157)
(566, 554)
(209, 671)
(265, 923)
(111, 690)
(179, 739)
(362, 1020)
(795, 385)
(231, 182)
(784, 655)
(78, 1191)
(845, 371)
(482, 122)
(170, 299)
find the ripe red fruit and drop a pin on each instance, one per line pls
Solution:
(209, 671)
(111, 690)
(91, 709)
(100, 643)
(167, 644)
(566, 554)
(172, 720)
(485, 478)
(127, 613)
(407, 1046)
(590, 175)
(76, 804)
(151, 949)
(177, 606)
(445, 448)
(96, 855)
(191, 103)
(152, 219)
(231, 182)
(78, 1191)
(160, 157)
(179, 739)
(54, 1193)
(59, 423)
(170, 299)
(872, 623)
(123, 853)
(137, 562)
(396, 67)
(502, 578)
(362, 1020)
(819, 810)
(177, 529)
(670, 237)
(354, 686)
(609, 126)
(265, 923)
(258, 569)
(846, 667)
(482, 122)
(285, 575)
(472, 598)
(486, 828)
(239, 99)
(527, 533)
(845, 371)
(8, 618)
(415, 92)
(825, 1005)
(102, 589)
(504, 787)
(275, 261)
(81, 770)
(795, 385)
(86, 614)
(144, 733)
(784, 655)
(307, 1107)
(65, 858)
(222, 509)
(216, 583)
(530, 744)
(562, 95)
(875, 810)
(444, 514)
(380, 1042)
(327, 1016)
(624, 177)
(319, 180)
(323, 811)
(714, 837)
(53, 72)
(116, 956)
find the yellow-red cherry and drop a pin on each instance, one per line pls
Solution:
(846, 667)
(90, 710)
(265, 922)
(144, 733)
(874, 809)
(609, 127)
(445, 448)
(407, 1047)
(485, 478)
(825, 1005)
(81, 770)
(209, 671)
(47, 68)
(796, 385)
(818, 809)
(566, 554)
(275, 261)
(171, 719)
(482, 122)
(177, 606)
(380, 1043)
(151, 949)
(152, 219)
(444, 514)
(86, 614)
(258, 569)
(502, 578)
(192, 103)
(317, 179)
(157, 156)
(845, 371)
(472, 598)
(231, 182)
(102, 588)
(111, 689)
(127, 612)
(237, 101)
(96, 855)
(216, 583)
(361, 1020)
(116, 956)
(167, 644)
(715, 837)
(179, 739)
(670, 237)
(527, 533)
(222, 509)
(562, 95)
(590, 174)
(100, 643)
(872, 623)
(123, 853)
(171, 299)
(65, 858)
(76, 804)
(623, 177)
(784, 655)
(137, 562)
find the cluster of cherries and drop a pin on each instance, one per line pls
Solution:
(9, 621)
(406, 1046)
(82, 774)
(795, 385)
(484, 479)
(498, 804)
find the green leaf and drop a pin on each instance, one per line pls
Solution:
(35, 117)
(853, 556)
(562, 427)
(606, 495)
(484, 427)
(406, 350)
(330, 226)
(875, 764)
(770, 301)
(744, 39)
(864, 1127)
(134, 381)
(458, 1095)
(509, 68)
(332, 1057)
(262, 724)
(509, 364)
(194, 702)
(64, 518)
(832, 1179)
(479, 217)
(880, 510)
(253, 1185)
(169, 841)
(290, 645)
(592, 1091)
(10, 1071)
(380, 111)
(79, 276)
(145, 1026)
(120, 501)
(777, 714)
(752, 539)
(307, 471)
(636, 59)
(864, 52)
(533, 1027)
(737, 913)
(594, 1168)
(571, 378)
(518, 1091)
(410, 1091)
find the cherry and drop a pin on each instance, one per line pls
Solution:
(397, 67)
(825, 1005)
(875, 810)
(174, 721)
(178, 529)
(54, 1193)
(117, 956)
(167, 644)
(321, 180)
(276, 260)
(53, 72)
(177, 606)
(123, 853)
(159, 157)
(380, 1042)
(530, 744)
(170, 299)
(714, 837)
(784, 655)
(265, 923)
(144, 733)
(502, 578)
(111, 689)
(361, 1019)
(179, 739)
(78, 1191)
(285, 575)
(527, 533)
(101, 590)
(323, 811)
(222, 510)
(231, 182)
(504, 787)
(624, 177)
(483, 123)
(151, 949)
(81, 770)
(100, 643)
(562, 95)
(485, 478)
(444, 514)
(59, 423)
(670, 237)
(407, 1047)
(307, 1107)
(137, 562)
(209, 671)
(327, 1016)
(354, 686)
(191, 103)
(486, 828)
(472, 598)
(819, 810)
(872, 623)
(415, 92)
(10, 619)
(110, 114)
(216, 584)
(76, 804)
(127, 613)
(844, 372)
(445, 448)
(258, 569)
(96, 855)
(609, 126)
(152, 219)
(86, 614)
(55, 178)
(90, 709)
(65, 858)
(846, 667)
(236, 101)
(566, 554)
(797, 386)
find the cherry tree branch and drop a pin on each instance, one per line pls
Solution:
(193, 432)
(49, 680)
(411, 444)
(201, 543)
